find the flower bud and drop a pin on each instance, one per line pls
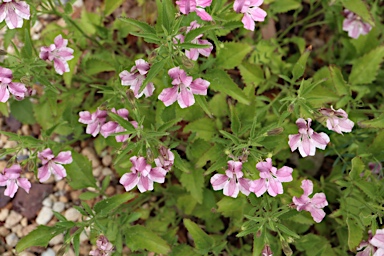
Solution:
(2, 52)
(149, 155)
(25, 79)
(187, 62)
(131, 96)
(286, 249)
(275, 131)
(152, 56)
(291, 107)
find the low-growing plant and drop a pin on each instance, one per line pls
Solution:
(279, 100)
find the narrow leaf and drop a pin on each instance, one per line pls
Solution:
(203, 242)
(142, 25)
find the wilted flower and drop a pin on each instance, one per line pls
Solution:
(165, 159)
(136, 77)
(187, 6)
(59, 53)
(375, 167)
(251, 11)
(307, 140)
(270, 178)
(267, 251)
(183, 89)
(337, 120)
(142, 175)
(11, 178)
(14, 12)
(7, 86)
(232, 181)
(113, 127)
(94, 121)
(366, 248)
(104, 247)
(313, 205)
(354, 25)
(52, 164)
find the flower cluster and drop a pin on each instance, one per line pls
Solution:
(143, 174)
(184, 87)
(251, 11)
(13, 12)
(59, 53)
(313, 205)
(53, 164)
(374, 246)
(136, 77)
(188, 6)
(104, 247)
(354, 25)
(96, 123)
(12, 180)
(7, 86)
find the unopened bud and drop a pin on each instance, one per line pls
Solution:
(275, 131)
(2, 52)
(291, 107)
(152, 57)
(286, 249)
(25, 79)
(149, 155)
(164, 153)
(187, 62)
(131, 96)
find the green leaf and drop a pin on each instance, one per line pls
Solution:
(338, 81)
(373, 123)
(39, 237)
(76, 243)
(95, 66)
(21, 110)
(365, 69)
(142, 25)
(355, 234)
(111, 6)
(299, 67)
(251, 74)
(107, 205)
(196, 32)
(203, 127)
(368, 188)
(193, 182)
(357, 168)
(286, 230)
(231, 55)
(180, 164)
(202, 101)
(27, 50)
(187, 46)
(153, 71)
(360, 8)
(124, 123)
(222, 82)
(285, 6)
(203, 242)
(140, 238)
(88, 195)
(148, 37)
(80, 172)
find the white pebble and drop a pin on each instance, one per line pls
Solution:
(47, 202)
(11, 239)
(49, 252)
(72, 214)
(58, 206)
(45, 215)
(4, 214)
(12, 219)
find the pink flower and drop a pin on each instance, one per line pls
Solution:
(337, 120)
(270, 178)
(94, 121)
(375, 167)
(165, 159)
(251, 11)
(113, 127)
(136, 77)
(183, 89)
(193, 53)
(366, 248)
(52, 164)
(7, 86)
(59, 53)
(14, 12)
(267, 251)
(187, 6)
(142, 175)
(354, 25)
(232, 182)
(307, 140)
(104, 247)
(313, 205)
(11, 178)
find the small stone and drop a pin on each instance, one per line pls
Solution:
(45, 215)
(25, 128)
(3, 164)
(4, 231)
(4, 214)
(91, 155)
(84, 236)
(26, 254)
(11, 239)
(72, 214)
(63, 199)
(10, 144)
(24, 222)
(47, 202)
(57, 240)
(28, 229)
(49, 252)
(107, 160)
(58, 206)
(97, 171)
(106, 171)
(110, 191)
(17, 229)
(75, 195)
(60, 185)
(12, 219)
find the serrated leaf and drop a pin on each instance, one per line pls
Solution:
(357, 168)
(80, 172)
(107, 205)
(39, 237)
(203, 242)
(180, 164)
(360, 8)
(368, 188)
(111, 6)
(232, 54)
(299, 67)
(203, 127)
(373, 123)
(141, 238)
(142, 25)
(94, 66)
(338, 81)
(355, 234)
(222, 82)
(193, 182)
(21, 110)
(251, 74)
(364, 69)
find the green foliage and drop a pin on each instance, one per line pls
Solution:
(141, 238)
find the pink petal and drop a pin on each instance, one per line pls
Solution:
(203, 3)
(86, 117)
(5, 75)
(192, 54)
(264, 166)
(203, 14)
(58, 170)
(168, 95)
(129, 181)
(306, 147)
(199, 86)
(231, 188)
(60, 66)
(258, 14)
(157, 174)
(320, 140)
(142, 66)
(4, 93)
(108, 128)
(60, 42)
(22, 10)
(43, 173)
(17, 89)
(244, 186)
(45, 155)
(258, 187)
(63, 157)
(248, 22)
(317, 214)
(274, 187)
(205, 51)
(301, 202)
(307, 186)
(24, 184)
(11, 188)
(319, 200)
(284, 174)
(145, 184)
(12, 20)
(185, 98)
(218, 181)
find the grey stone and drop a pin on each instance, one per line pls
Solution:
(45, 215)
